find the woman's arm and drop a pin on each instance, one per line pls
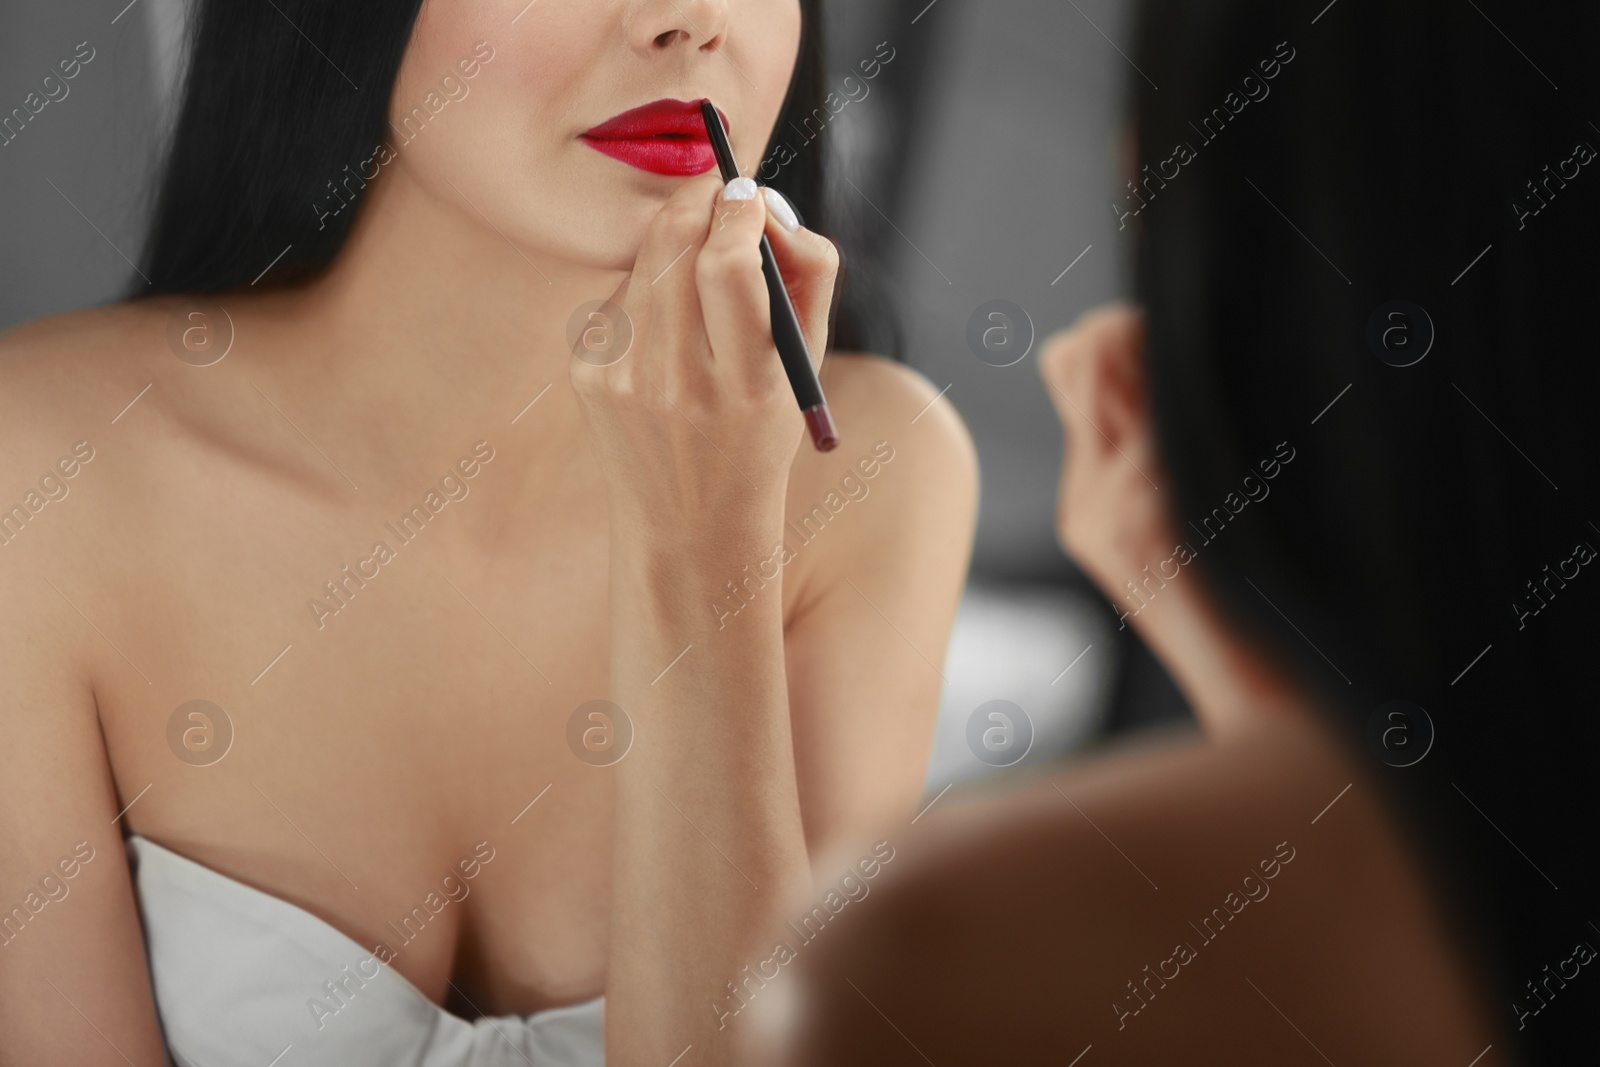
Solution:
(695, 431)
(1123, 530)
(74, 984)
(880, 584)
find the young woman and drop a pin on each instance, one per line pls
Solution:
(367, 472)
(1339, 472)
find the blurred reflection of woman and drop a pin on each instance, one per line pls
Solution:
(1358, 402)
(398, 536)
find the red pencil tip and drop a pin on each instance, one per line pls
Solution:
(824, 435)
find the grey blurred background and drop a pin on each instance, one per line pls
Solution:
(979, 166)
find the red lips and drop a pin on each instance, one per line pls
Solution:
(664, 137)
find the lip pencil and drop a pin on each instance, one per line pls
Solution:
(785, 327)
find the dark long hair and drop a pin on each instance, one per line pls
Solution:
(268, 118)
(1428, 542)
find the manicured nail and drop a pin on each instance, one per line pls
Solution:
(782, 210)
(740, 189)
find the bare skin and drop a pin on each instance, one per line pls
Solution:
(419, 720)
(1061, 917)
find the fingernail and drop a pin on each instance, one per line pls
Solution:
(740, 189)
(782, 210)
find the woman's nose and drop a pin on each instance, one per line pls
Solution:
(657, 25)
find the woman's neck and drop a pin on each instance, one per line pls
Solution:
(431, 331)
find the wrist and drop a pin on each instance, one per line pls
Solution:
(1227, 680)
(698, 535)
(686, 572)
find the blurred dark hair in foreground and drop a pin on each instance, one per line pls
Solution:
(1367, 230)
(1446, 510)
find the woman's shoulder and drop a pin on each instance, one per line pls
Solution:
(65, 381)
(888, 394)
(82, 330)
(78, 392)
(57, 370)
(889, 413)
(898, 495)
(1101, 887)
(126, 373)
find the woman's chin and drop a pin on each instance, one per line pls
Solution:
(611, 251)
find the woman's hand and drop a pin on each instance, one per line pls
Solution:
(1110, 512)
(695, 429)
(1115, 515)
(697, 421)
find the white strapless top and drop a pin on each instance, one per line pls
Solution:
(235, 971)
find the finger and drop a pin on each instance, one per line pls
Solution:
(1060, 368)
(733, 290)
(661, 289)
(809, 263)
(1116, 347)
(1095, 378)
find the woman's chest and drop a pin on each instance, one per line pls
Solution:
(349, 737)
